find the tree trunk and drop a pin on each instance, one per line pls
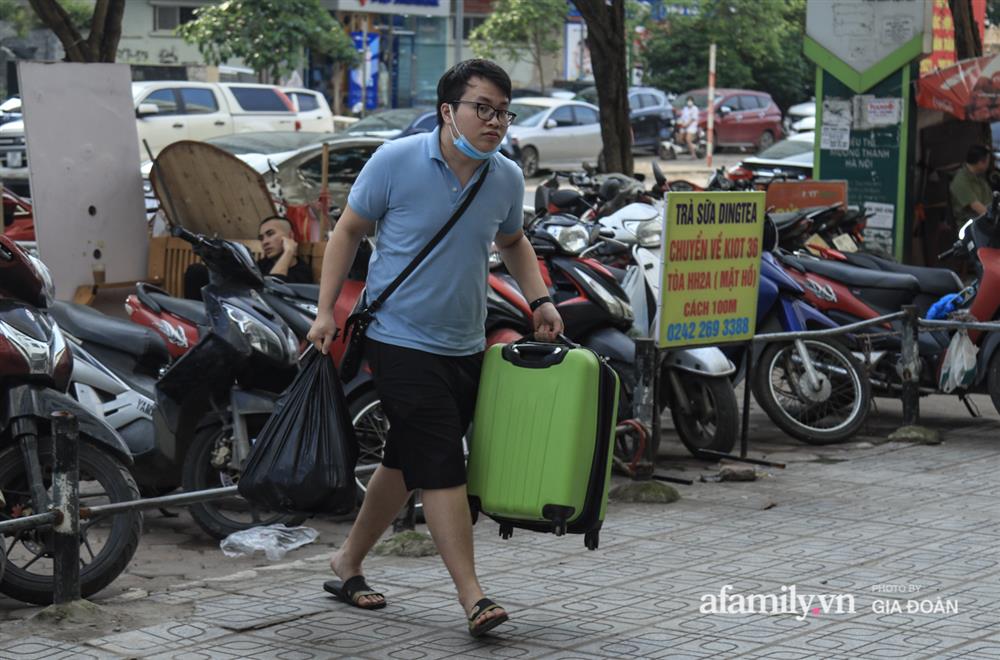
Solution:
(56, 19)
(606, 41)
(112, 32)
(335, 88)
(538, 55)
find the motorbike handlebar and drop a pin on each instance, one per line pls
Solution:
(950, 252)
(180, 232)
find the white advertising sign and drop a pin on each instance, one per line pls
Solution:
(83, 158)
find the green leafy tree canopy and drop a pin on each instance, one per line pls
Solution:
(22, 19)
(759, 46)
(268, 36)
(520, 30)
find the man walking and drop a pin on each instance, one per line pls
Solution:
(426, 342)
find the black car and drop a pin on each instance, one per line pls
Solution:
(650, 113)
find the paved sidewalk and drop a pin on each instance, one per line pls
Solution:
(886, 524)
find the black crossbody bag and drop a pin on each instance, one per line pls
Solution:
(358, 322)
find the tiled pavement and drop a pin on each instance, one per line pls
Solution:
(923, 518)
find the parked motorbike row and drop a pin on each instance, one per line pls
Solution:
(175, 396)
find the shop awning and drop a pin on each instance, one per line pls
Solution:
(969, 89)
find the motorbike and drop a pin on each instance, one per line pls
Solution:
(814, 389)
(180, 322)
(191, 421)
(35, 368)
(676, 144)
(848, 293)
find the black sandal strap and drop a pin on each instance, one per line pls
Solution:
(356, 588)
(482, 607)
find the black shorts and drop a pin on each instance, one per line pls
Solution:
(429, 401)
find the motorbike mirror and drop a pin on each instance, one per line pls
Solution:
(639, 176)
(658, 174)
(541, 199)
(605, 232)
(769, 240)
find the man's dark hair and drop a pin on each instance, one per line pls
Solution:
(976, 154)
(286, 223)
(452, 84)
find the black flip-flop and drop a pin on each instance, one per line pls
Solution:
(352, 590)
(482, 607)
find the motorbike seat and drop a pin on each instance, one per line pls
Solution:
(935, 281)
(159, 300)
(789, 218)
(855, 276)
(565, 199)
(89, 325)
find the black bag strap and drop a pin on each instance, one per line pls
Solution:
(378, 302)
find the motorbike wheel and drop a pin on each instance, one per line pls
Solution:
(107, 543)
(371, 427)
(666, 153)
(713, 422)
(993, 379)
(832, 415)
(529, 162)
(220, 518)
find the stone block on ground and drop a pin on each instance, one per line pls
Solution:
(920, 435)
(650, 492)
(410, 543)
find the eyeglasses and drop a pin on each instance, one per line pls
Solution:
(487, 112)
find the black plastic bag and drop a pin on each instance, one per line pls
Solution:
(303, 459)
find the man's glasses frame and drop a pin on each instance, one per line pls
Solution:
(486, 112)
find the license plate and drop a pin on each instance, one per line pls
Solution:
(845, 243)
(14, 159)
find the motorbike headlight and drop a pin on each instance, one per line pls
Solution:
(617, 308)
(573, 239)
(647, 233)
(259, 336)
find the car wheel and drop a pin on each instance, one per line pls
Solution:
(529, 162)
(765, 141)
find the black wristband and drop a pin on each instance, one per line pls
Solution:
(538, 302)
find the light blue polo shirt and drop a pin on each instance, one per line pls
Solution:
(409, 191)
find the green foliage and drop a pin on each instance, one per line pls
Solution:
(268, 36)
(759, 46)
(22, 19)
(521, 29)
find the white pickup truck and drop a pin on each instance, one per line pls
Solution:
(172, 110)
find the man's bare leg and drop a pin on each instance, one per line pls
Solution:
(450, 522)
(386, 495)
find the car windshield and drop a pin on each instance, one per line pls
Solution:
(527, 114)
(700, 100)
(588, 94)
(786, 149)
(389, 120)
(266, 143)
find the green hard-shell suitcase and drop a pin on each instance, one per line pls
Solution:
(540, 454)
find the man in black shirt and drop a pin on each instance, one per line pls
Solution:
(280, 259)
(280, 253)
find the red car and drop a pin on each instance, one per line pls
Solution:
(743, 117)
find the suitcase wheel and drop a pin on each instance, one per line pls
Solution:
(475, 516)
(560, 528)
(506, 531)
(591, 539)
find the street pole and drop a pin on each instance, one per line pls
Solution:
(911, 366)
(364, 68)
(65, 500)
(711, 104)
(459, 29)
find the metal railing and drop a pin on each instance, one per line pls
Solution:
(648, 381)
(65, 512)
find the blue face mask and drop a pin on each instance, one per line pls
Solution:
(463, 145)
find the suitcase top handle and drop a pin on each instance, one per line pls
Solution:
(533, 355)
